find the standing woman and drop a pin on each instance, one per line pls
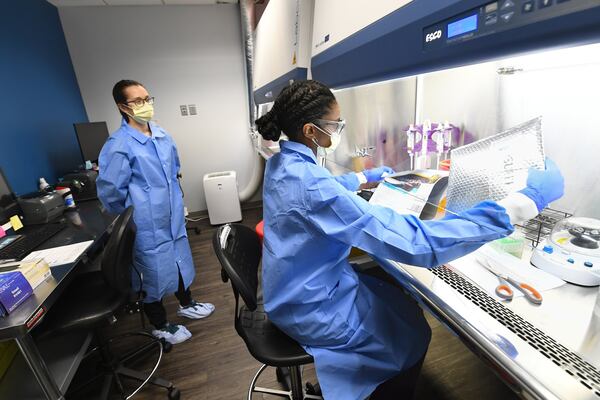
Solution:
(139, 165)
(367, 337)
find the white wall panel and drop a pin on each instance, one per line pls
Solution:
(335, 20)
(184, 55)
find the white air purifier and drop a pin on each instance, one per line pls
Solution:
(221, 192)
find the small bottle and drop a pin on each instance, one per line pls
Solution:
(65, 192)
(44, 186)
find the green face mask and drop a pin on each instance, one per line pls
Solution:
(142, 114)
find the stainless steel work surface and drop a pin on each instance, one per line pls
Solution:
(548, 351)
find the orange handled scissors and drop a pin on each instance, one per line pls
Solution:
(504, 290)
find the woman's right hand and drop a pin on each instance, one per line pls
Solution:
(544, 187)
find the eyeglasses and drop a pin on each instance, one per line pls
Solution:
(333, 127)
(140, 102)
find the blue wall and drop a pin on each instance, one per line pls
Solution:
(39, 96)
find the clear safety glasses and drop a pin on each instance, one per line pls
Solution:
(140, 102)
(331, 127)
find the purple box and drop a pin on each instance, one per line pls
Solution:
(14, 289)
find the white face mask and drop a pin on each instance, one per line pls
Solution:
(336, 138)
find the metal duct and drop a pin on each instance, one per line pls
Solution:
(248, 39)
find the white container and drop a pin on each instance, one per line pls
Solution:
(221, 192)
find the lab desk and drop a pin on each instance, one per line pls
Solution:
(550, 351)
(89, 222)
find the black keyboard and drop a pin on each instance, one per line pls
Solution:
(30, 240)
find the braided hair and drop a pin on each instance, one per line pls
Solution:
(298, 104)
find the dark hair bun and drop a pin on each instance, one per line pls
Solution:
(268, 126)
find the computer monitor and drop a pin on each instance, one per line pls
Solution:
(91, 137)
(8, 200)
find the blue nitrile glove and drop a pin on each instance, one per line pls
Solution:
(543, 187)
(377, 174)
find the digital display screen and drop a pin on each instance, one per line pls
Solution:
(465, 25)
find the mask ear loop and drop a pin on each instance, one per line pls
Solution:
(322, 130)
(128, 114)
(314, 139)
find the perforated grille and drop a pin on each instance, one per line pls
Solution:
(571, 363)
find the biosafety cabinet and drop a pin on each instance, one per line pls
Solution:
(482, 67)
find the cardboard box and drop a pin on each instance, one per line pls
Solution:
(14, 290)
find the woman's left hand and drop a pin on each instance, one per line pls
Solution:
(377, 174)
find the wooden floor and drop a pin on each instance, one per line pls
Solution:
(215, 364)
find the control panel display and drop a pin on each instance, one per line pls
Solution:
(462, 26)
(493, 17)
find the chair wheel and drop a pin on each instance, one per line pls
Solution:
(174, 393)
(167, 347)
(280, 375)
(313, 389)
(284, 377)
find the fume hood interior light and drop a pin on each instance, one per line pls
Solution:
(570, 57)
(372, 84)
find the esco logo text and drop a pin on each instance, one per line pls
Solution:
(433, 36)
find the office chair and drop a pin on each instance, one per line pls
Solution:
(91, 302)
(239, 250)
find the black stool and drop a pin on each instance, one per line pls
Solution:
(239, 250)
(91, 302)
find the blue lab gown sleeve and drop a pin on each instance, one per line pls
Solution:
(348, 181)
(339, 214)
(113, 179)
(176, 157)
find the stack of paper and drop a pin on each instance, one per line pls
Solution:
(60, 255)
(518, 269)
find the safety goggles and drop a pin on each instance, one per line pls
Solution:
(331, 127)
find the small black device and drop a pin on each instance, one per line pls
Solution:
(91, 137)
(365, 194)
(82, 184)
(17, 245)
(41, 207)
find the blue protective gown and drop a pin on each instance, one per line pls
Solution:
(359, 330)
(141, 171)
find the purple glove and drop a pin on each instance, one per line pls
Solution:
(544, 187)
(376, 174)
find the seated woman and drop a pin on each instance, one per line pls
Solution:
(366, 336)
